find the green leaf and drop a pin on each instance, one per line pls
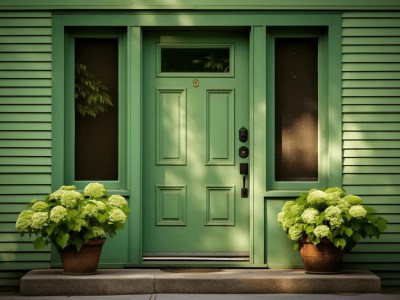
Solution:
(39, 243)
(309, 228)
(348, 232)
(62, 239)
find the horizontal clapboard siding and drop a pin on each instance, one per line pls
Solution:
(25, 134)
(371, 136)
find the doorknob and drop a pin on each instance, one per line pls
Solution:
(244, 170)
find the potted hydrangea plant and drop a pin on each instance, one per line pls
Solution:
(76, 223)
(324, 224)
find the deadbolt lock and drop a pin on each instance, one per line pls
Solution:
(243, 134)
(243, 152)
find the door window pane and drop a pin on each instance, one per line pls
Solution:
(96, 109)
(190, 60)
(296, 109)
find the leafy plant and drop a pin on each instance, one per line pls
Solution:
(330, 214)
(91, 94)
(68, 217)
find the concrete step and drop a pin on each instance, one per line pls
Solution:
(53, 282)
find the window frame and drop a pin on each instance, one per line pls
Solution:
(71, 35)
(280, 187)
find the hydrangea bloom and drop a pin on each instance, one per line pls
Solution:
(100, 205)
(309, 215)
(95, 190)
(357, 211)
(98, 232)
(333, 198)
(287, 206)
(70, 199)
(316, 198)
(336, 222)
(40, 206)
(58, 194)
(24, 220)
(90, 210)
(39, 219)
(353, 199)
(334, 190)
(117, 201)
(117, 216)
(79, 224)
(343, 205)
(321, 231)
(332, 212)
(296, 209)
(58, 213)
(295, 232)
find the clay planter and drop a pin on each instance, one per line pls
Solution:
(85, 261)
(323, 258)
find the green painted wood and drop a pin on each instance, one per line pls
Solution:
(25, 133)
(371, 67)
(24, 144)
(371, 32)
(209, 4)
(375, 135)
(370, 83)
(371, 49)
(371, 144)
(372, 117)
(25, 74)
(371, 153)
(368, 161)
(370, 100)
(370, 41)
(189, 150)
(371, 169)
(386, 127)
(372, 108)
(373, 179)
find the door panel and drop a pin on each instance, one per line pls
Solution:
(192, 204)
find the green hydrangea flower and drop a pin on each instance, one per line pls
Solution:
(24, 220)
(58, 213)
(332, 212)
(95, 190)
(70, 199)
(98, 231)
(353, 199)
(281, 217)
(40, 206)
(117, 201)
(343, 205)
(317, 198)
(90, 210)
(309, 215)
(321, 231)
(117, 216)
(39, 219)
(336, 222)
(287, 206)
(333, 198)
(100, 205)
(334, 190)
(357, 211)
(295, 232)
(78, 225)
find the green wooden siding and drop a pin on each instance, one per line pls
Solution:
(25, 134)
(371, 131)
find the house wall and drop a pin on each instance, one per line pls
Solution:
(371, 136)
(371, 130)
(25, 133)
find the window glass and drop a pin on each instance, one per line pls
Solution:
(96, 109)
(296, 109)
(190, 60)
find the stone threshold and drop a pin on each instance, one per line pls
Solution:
(52, 282)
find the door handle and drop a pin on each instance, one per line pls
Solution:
(244, 170)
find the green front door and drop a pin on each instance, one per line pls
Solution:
(195, 102)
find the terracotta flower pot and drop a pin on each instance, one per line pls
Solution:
(323, 258)
(84, 262)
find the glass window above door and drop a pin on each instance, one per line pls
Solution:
(188, 59)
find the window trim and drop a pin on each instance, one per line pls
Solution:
(120, 184)
(273, 187)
